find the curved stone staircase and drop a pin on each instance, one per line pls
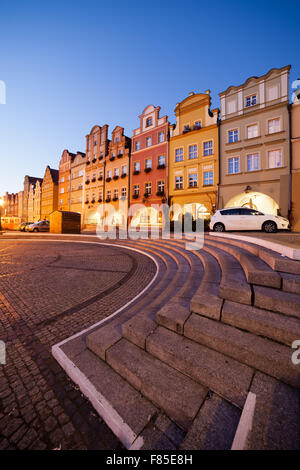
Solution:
(174, 369)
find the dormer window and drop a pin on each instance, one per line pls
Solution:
(251, 100)
(149, 122)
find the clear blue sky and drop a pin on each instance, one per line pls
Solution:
(71, 64)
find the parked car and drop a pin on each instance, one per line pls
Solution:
(22, 226)
(41, 226)
(244, 218)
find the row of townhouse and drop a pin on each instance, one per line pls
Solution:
(245, 154)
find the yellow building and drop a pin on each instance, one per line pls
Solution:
(194, 157)
(49, 199)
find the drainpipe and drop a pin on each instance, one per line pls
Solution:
(219, 161)
(291, 160)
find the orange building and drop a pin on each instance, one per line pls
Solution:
(78, 165)
(49, 199)
(96, 150)
(117, 173)
(149, 165)
(64, 186)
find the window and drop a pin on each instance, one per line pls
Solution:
(275, 159)
(252, 131)
(251, 101)
(208, 178)
(253, 162)
(124, 192)
(149, 122)
(161, 137)
(193, 180)
(136, 189)
(108, 194)
(62, 190)
(138, 145)
(124, 170)
(137, 166)
(116, 193)
(161, 160)
(233, 165)
(179, 155)
(109, 174)
(80, 186)
(95, 143)
(148, 141)
(193, 151)
(179, 182)
(116, 172)
(273, 126)
(161, 186)
(117, 139)
(62, 179)
(61, 201)
(233, 136)
(208, 148)
(198, 124)
(148, 163)
(80, 173)
(148, 188)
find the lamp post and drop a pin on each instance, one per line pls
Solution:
(1, 205)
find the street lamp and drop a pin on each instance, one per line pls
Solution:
(1, 205)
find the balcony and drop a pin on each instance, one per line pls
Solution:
(100, 178)
(108, 179)
(112, 158)
(136, 172)
(120, 155)
(161, 167)
(123, 175)
(87, 182)
(135, 195)
(108, 199)
(116, 177)
(147, 170)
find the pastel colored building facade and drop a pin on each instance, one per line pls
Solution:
(96, 151)
(149, 166)
(295, 190)
(37, 202)
(77, 169)
(49, 199)
(64, 185)
(254, 144)
(30, 209)
(194, 158)
(117, 176)
(28, 181)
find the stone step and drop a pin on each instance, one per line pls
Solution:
(234, 285)
(178, 395)
(256, 271)
(276, 261)
(276, 419)
(206, 300)
(173, 316)
(272, 325)
(291, 283)
(219, 373)
(214, 426)
(257, 352)
(121, 406)
(277, 301)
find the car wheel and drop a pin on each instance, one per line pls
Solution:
(36, 230)
(218, 227)
(269, 227)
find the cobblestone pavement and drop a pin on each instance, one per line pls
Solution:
(49, 291)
